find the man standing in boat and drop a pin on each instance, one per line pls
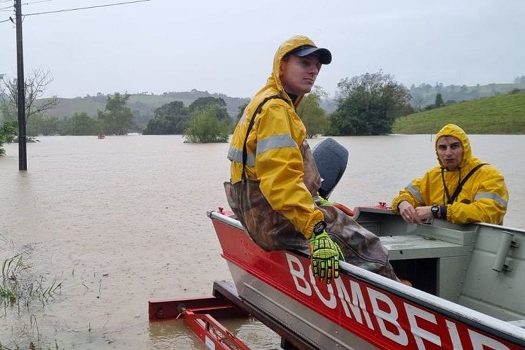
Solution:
(461, 189)
(274, 180)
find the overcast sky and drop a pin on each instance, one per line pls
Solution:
(228, 46)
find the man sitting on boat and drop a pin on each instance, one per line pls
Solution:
(461, 189)
(274, 179)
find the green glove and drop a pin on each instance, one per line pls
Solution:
(323, 201)
(325, 255)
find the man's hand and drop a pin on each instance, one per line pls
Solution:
(424, 213)
(409, 213)
(325, 255)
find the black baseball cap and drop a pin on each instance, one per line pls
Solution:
(325, 57)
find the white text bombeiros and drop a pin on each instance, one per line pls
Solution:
(386, 311)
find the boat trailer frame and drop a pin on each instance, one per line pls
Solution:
(201, 314)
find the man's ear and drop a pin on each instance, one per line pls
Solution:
(282, 67)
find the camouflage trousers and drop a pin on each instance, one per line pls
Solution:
(272, 231)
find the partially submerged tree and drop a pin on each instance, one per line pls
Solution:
(368, 105)
(204, 102)
(311, 113)
(116, 119)
(207, 124)
(43, 125)
(80, 124)
(170, 118)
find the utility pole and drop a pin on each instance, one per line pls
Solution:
(21, 96)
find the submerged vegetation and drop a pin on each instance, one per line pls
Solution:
(18, 290)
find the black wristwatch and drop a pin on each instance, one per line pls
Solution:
(319, 228)
(435, 211)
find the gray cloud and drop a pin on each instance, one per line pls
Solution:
(228, 46)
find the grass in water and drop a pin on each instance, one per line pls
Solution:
(20, 288)
(11, 269)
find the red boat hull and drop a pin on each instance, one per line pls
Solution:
(359, 310)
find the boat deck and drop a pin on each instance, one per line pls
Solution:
(480, 266)
(418, 247)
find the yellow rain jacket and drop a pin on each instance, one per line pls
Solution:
(484, 195)
(273, 149)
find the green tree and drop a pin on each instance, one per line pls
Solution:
(439, 101)
(80, 124)
(7, 134)
(116, 119)
(205, 126)
(204, 102)
(170, 118)
(368, 105)
(312, 115)
(42, 125)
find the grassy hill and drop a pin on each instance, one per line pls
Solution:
(503, 114)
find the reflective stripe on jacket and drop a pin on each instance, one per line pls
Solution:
(483, 198)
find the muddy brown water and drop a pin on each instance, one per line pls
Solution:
(121, 220)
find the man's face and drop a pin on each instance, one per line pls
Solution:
(450, 152)
(298, 74)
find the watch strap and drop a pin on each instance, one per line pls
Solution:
(319, 228)
(435, 211)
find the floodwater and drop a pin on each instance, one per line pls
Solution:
(122, 220)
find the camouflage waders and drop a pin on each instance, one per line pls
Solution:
(272, 231)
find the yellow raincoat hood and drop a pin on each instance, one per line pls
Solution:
(455, 131)
(274, 83)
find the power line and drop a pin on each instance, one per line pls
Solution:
(84, 8)
(35, 2)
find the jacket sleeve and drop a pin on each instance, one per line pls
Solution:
(412, 193)
(490, 200)
(279, 167)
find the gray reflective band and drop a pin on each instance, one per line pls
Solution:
(235, 155)
(415, 192)
(274, 142)
(492, 196)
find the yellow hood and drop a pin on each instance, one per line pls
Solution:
(274, 81)
(455, 131)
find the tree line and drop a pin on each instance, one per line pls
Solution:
(116, 119)
(365, 105)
